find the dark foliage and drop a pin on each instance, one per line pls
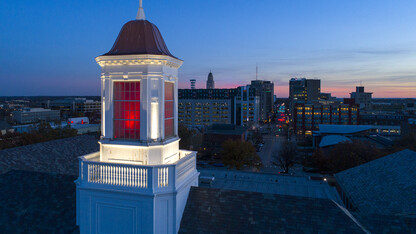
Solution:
(345, 155)
(238, 154)
(43, 132)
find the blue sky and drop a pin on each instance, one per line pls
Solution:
(48, 46)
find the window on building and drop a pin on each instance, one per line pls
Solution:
(169, 124)
(126, 110)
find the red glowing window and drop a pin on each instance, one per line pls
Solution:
(169, 124)
(127, 110)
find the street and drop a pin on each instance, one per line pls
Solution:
(272, 143)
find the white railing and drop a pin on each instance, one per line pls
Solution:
(136, 177)
(123, 175)
(163, 177)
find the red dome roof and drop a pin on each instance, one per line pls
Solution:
(139, 37)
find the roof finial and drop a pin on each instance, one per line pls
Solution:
(140, 13)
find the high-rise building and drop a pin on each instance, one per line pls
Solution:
(362, 98)
(139, 180)
(210, 81)
(247, 106)
(265, 90)
(302, 90)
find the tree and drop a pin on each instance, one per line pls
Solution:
(190, 139)
(345, 155)
(407, 141)
(286, 156)
(237, 154)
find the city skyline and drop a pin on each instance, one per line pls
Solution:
(49, 47)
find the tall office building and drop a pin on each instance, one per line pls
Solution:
(364, 99)
(210, 81)
(139, 181)
(247, 106)
(304, 90)
(265, 90)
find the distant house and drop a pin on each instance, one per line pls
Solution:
(385, 186)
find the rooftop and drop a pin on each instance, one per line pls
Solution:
(342, 129)
(333, 140)
(384, 186)
(271, 183)
(34, 202)
(139, 37)
(57, 156)
(211, 210)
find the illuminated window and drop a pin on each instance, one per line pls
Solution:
(127, 110)
(169, 128)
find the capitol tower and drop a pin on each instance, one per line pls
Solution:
(139, 180)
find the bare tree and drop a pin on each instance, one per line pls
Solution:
(286, 156)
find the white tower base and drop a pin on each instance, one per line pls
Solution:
(123, 198)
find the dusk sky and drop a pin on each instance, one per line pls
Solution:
(48, 47)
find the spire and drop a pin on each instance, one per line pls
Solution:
(140, 13)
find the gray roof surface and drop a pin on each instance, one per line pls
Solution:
(33, 202)
(384, 186)
(387, 223)
(57, 156)
(211, 210)
(342, 129)
(333, 140)
(300, 186)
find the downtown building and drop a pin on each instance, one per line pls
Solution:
(307, 117)
(74, 105)
(247, 106)
(199, 108)
(203, 107)
(302, 90)
(35, 115)
(265, 90)
(364, 99)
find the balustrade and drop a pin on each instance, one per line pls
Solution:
(142, 177)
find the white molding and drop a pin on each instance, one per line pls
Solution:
(146, 59)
